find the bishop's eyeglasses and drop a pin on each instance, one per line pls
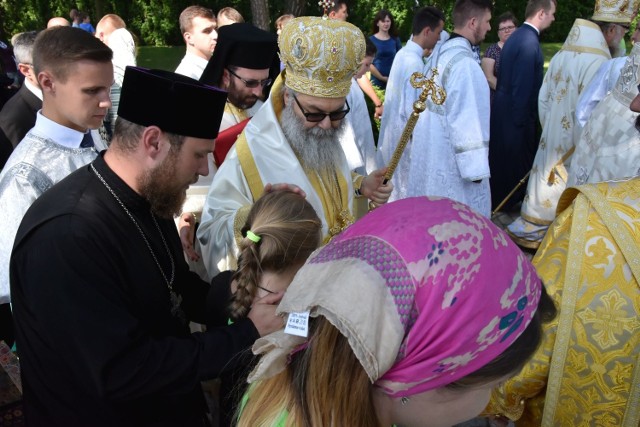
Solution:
(318, 117)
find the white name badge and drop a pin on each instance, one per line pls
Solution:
(298, 324)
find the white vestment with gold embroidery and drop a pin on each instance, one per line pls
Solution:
(276, 163)
(197, 193)
(609, 146)
(570, 71)
(586, 371)
(449, 154)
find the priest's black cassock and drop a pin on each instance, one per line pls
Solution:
(97, 340)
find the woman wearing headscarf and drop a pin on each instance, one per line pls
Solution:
(410, 317)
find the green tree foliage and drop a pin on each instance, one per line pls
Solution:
(567, 12)
(155, 22)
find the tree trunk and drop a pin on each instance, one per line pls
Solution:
(99, 8)
(260, 13)
(295, 7)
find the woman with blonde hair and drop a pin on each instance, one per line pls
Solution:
(409, 317)
(281, 231)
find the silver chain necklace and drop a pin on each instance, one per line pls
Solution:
(175, 299)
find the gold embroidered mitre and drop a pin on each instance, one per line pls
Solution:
(320, 56)
(618, 11)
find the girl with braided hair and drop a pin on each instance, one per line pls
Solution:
(281, 232)
(409, 317)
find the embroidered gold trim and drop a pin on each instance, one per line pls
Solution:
(567, 310)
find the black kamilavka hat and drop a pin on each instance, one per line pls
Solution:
(175, 103)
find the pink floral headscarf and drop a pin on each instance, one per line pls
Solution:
(426, 291)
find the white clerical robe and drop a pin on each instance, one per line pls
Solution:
(230, 191)
(450, 147)
(197, 193)
(47, 154)
(192, 66)
(570, 71)
(609, 146)
(357, 139)
(601, 84)
(398, 106)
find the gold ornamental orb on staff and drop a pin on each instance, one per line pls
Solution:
(429, 89)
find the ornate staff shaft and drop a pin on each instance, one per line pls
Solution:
(506, 199)
(438, 96)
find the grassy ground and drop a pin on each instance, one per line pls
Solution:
(548, 50)
(163, 58)
(168, 58)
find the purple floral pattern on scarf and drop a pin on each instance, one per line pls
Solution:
(463, 291)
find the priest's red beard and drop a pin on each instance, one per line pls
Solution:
(160, 187)
(317, 149)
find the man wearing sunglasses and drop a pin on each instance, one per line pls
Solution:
(294, 139)
(244, 64)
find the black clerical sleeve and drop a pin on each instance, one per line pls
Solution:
(90, 344)
(194, 293)
(99, 340)
(124, 360)
(219, 299)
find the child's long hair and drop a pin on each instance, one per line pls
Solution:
(324, 385)
(289, 231)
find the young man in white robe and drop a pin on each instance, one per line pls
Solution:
(198, 27)
(450, 146)
(74, 71)
(428, 24)
(357, 141)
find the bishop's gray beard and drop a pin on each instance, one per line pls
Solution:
(317, 149)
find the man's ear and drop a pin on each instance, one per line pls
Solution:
(152, 141)
(47, 81)
(472, 23)
(226, 79)
(24, 69)
(187, 38)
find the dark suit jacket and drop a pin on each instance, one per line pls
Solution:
(17, 117)
(514, 112)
